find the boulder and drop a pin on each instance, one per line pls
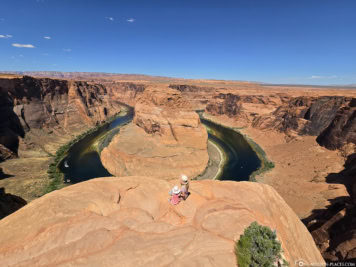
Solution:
(128, 221)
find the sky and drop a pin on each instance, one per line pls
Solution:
(287, 41)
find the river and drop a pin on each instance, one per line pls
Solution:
(83, 161)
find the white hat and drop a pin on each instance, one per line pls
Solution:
(176, 190)
(184, 178)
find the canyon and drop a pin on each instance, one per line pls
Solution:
(308, 133)
(165, 140)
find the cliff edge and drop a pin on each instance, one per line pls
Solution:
(129, 222)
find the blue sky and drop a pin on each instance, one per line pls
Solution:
(289, 41)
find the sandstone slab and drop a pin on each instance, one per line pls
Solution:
(128, 221)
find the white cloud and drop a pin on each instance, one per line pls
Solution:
(44, 54)
(21, 56)
(23, 45)
(131, 20)
(110, 18)
(67, 49)
(5, 36)
(47, 37)
(322, 77)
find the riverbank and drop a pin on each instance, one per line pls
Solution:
(217, 160)
(266, 164)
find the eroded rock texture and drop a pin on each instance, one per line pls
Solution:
(225, 104)
(125, 92)
(242, 108)
(28, 103)
(128, 221)
(304, 115)
(165, 140)
(198, 96)
(342, 129)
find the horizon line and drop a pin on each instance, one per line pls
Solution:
(180, 78)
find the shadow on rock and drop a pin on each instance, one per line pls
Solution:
(9, 203)
(3, 175)
(334, 228)
(10, 128)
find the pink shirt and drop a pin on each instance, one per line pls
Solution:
(175, 199)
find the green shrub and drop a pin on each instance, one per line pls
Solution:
(270, 165)
(258, 247)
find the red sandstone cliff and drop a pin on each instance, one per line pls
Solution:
(28, 103)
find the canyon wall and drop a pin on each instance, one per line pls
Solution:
(126, 92)
(28, 103)
(342, 129)
(303, 115)
(198, 96)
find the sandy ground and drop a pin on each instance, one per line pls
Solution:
(215, 163)
(301, 168)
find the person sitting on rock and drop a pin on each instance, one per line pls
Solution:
(176, 194)
(184, 182)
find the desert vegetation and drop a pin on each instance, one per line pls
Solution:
(259, 247)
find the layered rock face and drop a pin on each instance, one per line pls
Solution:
(165, 140)
(129, 222)
(28, 103)
(228, 104)
(125, 92)
(242, 108)
(303, 115)
(342, 129)
(198, 96)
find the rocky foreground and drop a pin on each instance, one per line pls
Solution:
(129, 222)
(165, 139)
